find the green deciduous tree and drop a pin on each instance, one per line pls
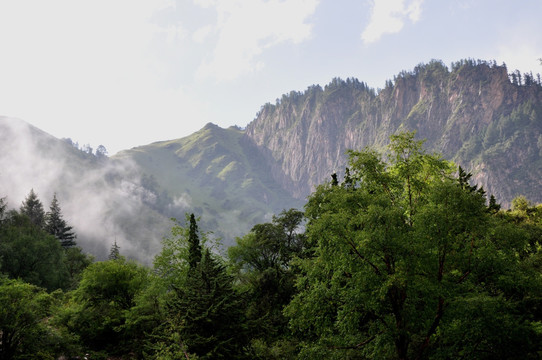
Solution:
(23, 331)
(261, 260)
(107, 291)
(29, 253)
(402, 257)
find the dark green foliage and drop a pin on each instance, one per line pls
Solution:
(101, 303)
(33, 209)
(56, 225)
(208, 313)
(29, 253)
(262, 261)
(23, 330)
(194, 249)
(76, 261)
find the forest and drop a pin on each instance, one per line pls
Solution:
(402, 257)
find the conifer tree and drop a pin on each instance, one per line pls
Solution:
(114, 253)
(194, 247)
(209, 312)
(3, 207)
(56, 225)
(33, 208)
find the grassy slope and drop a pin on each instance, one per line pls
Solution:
(222, 179)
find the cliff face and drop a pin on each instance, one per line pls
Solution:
(472, 114)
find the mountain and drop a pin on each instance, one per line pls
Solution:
(103, 199)
(474, 114)
(216, 174)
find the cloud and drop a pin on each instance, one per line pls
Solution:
(389, 16)
(246, 28)
(103, 201)
(93, 68)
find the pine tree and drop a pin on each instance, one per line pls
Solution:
(209, 312)
(194, 247)
(114, 253)
(56, 225)
(33, 208)
(493, 206)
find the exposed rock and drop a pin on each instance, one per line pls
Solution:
(473, 115)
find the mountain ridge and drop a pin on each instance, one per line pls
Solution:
(473, 113)
(306, 135)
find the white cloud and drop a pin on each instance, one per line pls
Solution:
(247, 27)
(73, 65)
(389, 16)
(201, 34)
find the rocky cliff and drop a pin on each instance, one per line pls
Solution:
(474, 114)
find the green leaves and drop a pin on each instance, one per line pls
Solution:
(399, 253)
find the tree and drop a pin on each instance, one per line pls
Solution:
(23, 310)
(520, 203)
(33, 208)
(99, 307)
(101, 152)
(114, 253)
(180, 249)
(208, 313)
(205, 314)
(29, 253)
(3, 207)
(262, 263)
(194, 250)
(403, 256)
(56, 225)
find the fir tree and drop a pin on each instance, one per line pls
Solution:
(56, 225)
(194, 247)
(33, 208)
(493, 206)
(209, 312)
(114, 253)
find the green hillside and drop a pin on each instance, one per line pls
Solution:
(213, 173)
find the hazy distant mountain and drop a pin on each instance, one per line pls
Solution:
(216, 174)
(475, 114)
(102, 199)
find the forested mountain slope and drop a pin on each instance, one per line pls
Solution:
(475, 114)
(104, 200)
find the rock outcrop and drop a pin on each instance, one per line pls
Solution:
(472, 114)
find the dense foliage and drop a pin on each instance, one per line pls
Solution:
(403, 258)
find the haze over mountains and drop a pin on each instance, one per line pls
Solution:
(474, 113)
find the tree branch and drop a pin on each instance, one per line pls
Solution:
(352, 245)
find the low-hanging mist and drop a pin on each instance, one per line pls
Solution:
(102, 199)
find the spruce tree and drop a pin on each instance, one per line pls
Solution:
(33, 208)
(56, 225)
(209, 312)
(114, 253)
(194, 247)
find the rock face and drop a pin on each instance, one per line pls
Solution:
(473, 114)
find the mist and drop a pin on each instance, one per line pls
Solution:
(103, 199)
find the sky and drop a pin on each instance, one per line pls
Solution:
(123, 73)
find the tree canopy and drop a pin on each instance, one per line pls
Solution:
(406, 260)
